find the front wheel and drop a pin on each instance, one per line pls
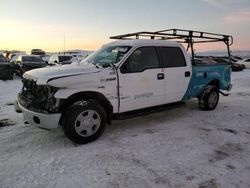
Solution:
(209, 98)
(85, 122)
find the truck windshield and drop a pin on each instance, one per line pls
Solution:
(107, 56)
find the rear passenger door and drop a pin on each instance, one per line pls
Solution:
(141, 80)
(177, 73)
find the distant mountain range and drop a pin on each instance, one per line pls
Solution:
(240, 53)
(77, 51)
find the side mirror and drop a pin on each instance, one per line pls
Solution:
(125, 69)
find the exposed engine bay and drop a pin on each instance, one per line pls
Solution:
(39, 98)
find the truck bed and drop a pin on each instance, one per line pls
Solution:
(204, 74)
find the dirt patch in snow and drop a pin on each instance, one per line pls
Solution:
(229, 130)
(225, 151)
(205, 129)
(208, 184)
(243, 94)
(149, 131)
(6, 122)
(231, 167)
(9, 104)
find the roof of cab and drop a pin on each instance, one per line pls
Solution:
(143, 42)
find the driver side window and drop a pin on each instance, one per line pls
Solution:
(141, 59)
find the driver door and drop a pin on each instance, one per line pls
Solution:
(141, 80)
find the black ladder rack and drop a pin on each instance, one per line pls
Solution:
(180, 35)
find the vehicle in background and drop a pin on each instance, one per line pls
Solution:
(10, 54)
(235, 58)
(2, 58)
(37, 52)
(45, 58)
(244, 62)
(234, 66)
(204, 60)
(78, 57)
(6, 71)
(60, 60)
(13, 56)
(27, 62)
(218, 60)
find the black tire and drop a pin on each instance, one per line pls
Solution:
(10, 77)
(209, 98)
(19, 73)
(83, 117)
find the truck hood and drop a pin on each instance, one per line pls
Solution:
(43, 75)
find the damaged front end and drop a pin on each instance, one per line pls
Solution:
(38, 98)
(38, 104)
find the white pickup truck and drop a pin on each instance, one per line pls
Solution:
(122, 76)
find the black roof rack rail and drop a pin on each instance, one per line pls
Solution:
(180, 35)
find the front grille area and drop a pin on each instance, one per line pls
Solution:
(37, 97)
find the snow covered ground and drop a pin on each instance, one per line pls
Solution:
(182, 147)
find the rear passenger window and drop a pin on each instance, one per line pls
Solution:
(172, 57)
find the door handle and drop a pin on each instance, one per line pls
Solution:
(160, 76)
(187, 74)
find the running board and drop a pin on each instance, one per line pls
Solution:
(146, 111)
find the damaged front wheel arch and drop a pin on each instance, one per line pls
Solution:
(83, 96)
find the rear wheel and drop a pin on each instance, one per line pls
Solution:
(85, 122)
(209, 98)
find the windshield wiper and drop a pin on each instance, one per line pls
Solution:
(108, 64)
(97, 65)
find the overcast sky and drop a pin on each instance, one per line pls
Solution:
(87, 24)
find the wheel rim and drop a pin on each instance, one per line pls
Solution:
(87, 123)
(213, 99)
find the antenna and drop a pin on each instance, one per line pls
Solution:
(64, 43)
